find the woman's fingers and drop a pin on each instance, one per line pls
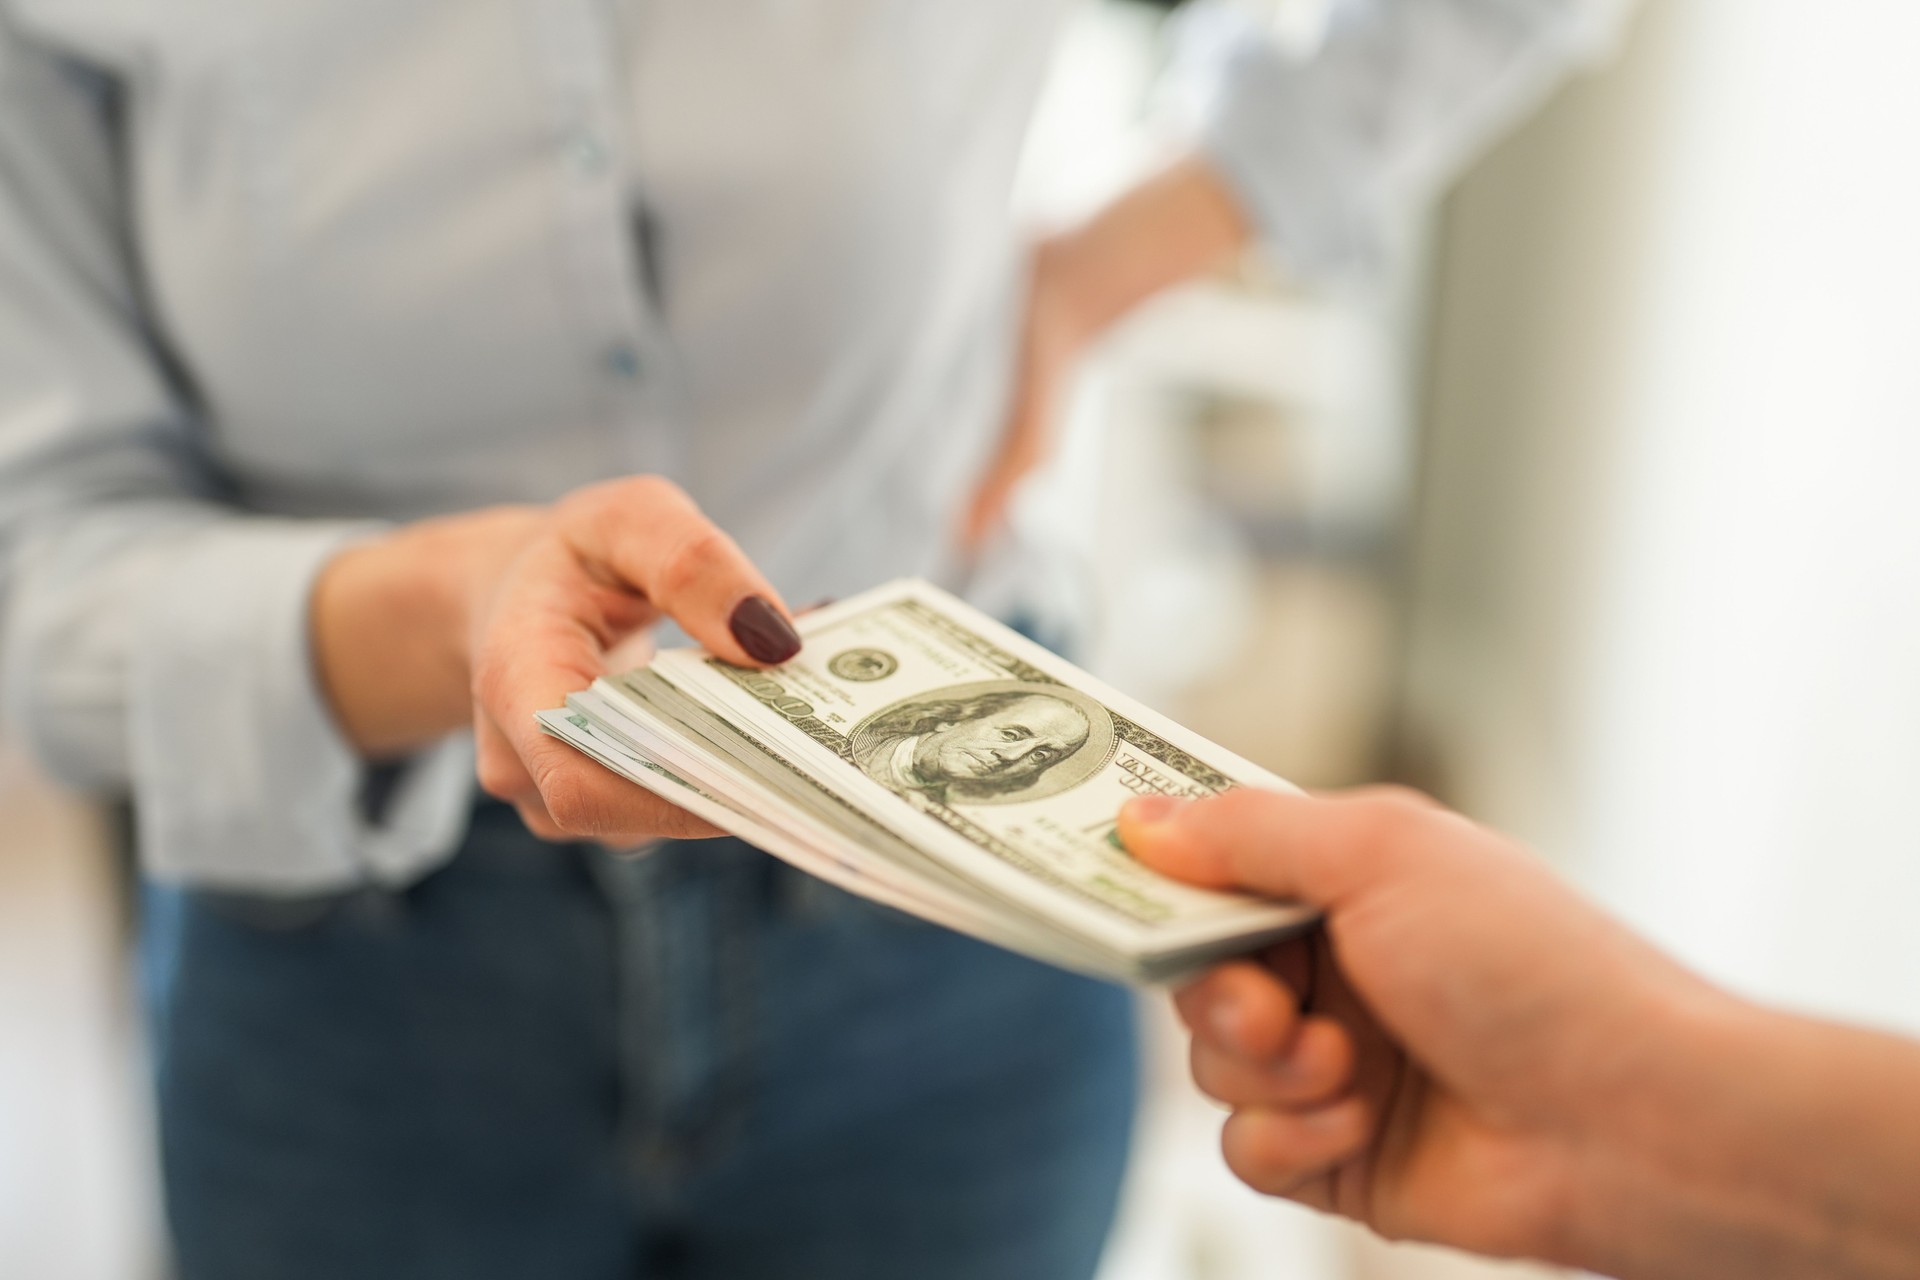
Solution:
(654, 819)
(545, 635)
(504, 777)
(497, 764)
(587, 802)
(592, 803)
(616, 557)
(534, 816)
(647, 536)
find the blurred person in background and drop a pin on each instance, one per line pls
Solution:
(361, 368)
(1469, 1054)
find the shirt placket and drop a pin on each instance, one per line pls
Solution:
(623, 344)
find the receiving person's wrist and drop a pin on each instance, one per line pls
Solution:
(1665, 1163)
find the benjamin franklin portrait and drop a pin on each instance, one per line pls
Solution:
(999, 742)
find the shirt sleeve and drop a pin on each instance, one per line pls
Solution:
(153, 636)
(1325, 138)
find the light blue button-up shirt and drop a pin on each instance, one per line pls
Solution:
(274, 272)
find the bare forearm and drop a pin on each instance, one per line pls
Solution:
(1172, 227)
(388, 620)
(1164, 231)
(1785, 1147)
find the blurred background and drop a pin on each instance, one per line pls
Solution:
(1594, 516)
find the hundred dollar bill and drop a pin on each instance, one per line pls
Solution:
(847, 868)
(923, 754)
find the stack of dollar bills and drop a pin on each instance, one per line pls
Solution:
(918, 753)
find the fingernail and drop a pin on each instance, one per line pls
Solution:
(1148, 810)
(762, 632)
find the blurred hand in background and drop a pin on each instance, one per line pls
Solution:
(1167, 230)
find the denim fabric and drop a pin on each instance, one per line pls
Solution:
(548, 1062)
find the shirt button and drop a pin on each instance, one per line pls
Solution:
(622, 361)
(588, 154)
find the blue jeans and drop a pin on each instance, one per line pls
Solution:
(546, 1062)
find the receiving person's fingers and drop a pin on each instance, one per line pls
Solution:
(1316, 1068)
(1282, 1152)
(1318, 849)
(1379, 1065)
(1240, 1007)
(1296, 962)
(646, 535)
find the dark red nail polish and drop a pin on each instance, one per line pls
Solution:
(762, 631)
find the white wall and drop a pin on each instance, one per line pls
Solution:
(1670, 564)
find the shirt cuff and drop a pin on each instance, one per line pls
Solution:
(1330, 146)
(1249, 109)
(241, 780)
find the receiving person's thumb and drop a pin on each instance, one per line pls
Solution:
(1315, 849)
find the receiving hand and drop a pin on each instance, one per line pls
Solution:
(1449, 1057)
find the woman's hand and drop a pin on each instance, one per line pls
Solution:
(488, 617)
(1056, 330)
(1465, 1050)
(1168, 229)
(612, 560)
